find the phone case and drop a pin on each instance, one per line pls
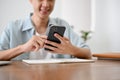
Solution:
(55, 29)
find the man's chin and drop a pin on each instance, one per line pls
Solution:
(44, 16)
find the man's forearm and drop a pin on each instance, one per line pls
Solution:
(81, 53)
(11, 53)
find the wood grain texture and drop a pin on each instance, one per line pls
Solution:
(100, 70)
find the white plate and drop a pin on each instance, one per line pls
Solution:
(4, 62)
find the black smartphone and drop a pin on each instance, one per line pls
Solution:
(55, 29)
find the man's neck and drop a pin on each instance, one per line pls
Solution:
(40, 24)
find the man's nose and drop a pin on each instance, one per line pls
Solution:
(45, 3)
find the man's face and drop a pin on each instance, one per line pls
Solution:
(43, 8)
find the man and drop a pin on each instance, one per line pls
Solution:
(20, 38)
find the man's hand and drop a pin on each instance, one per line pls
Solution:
(64, 47)
(34, 44)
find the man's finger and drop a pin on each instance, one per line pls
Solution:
(59, 37)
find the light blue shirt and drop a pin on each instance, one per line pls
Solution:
(20, 31)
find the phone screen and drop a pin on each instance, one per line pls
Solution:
(55, 29)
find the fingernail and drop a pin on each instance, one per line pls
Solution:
(55, 34)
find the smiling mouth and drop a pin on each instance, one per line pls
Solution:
(44, 11)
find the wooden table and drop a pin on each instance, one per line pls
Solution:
(100, 70)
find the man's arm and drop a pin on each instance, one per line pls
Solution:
(11, 53)
(34, 44)
(66, 47)
(81, 53)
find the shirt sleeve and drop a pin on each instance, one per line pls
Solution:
(5, 39)
(77, 40)
(73, 36)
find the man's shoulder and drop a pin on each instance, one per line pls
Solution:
(17, 24)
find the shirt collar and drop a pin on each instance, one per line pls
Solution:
(27, 23)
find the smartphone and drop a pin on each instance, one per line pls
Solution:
(55, 29)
